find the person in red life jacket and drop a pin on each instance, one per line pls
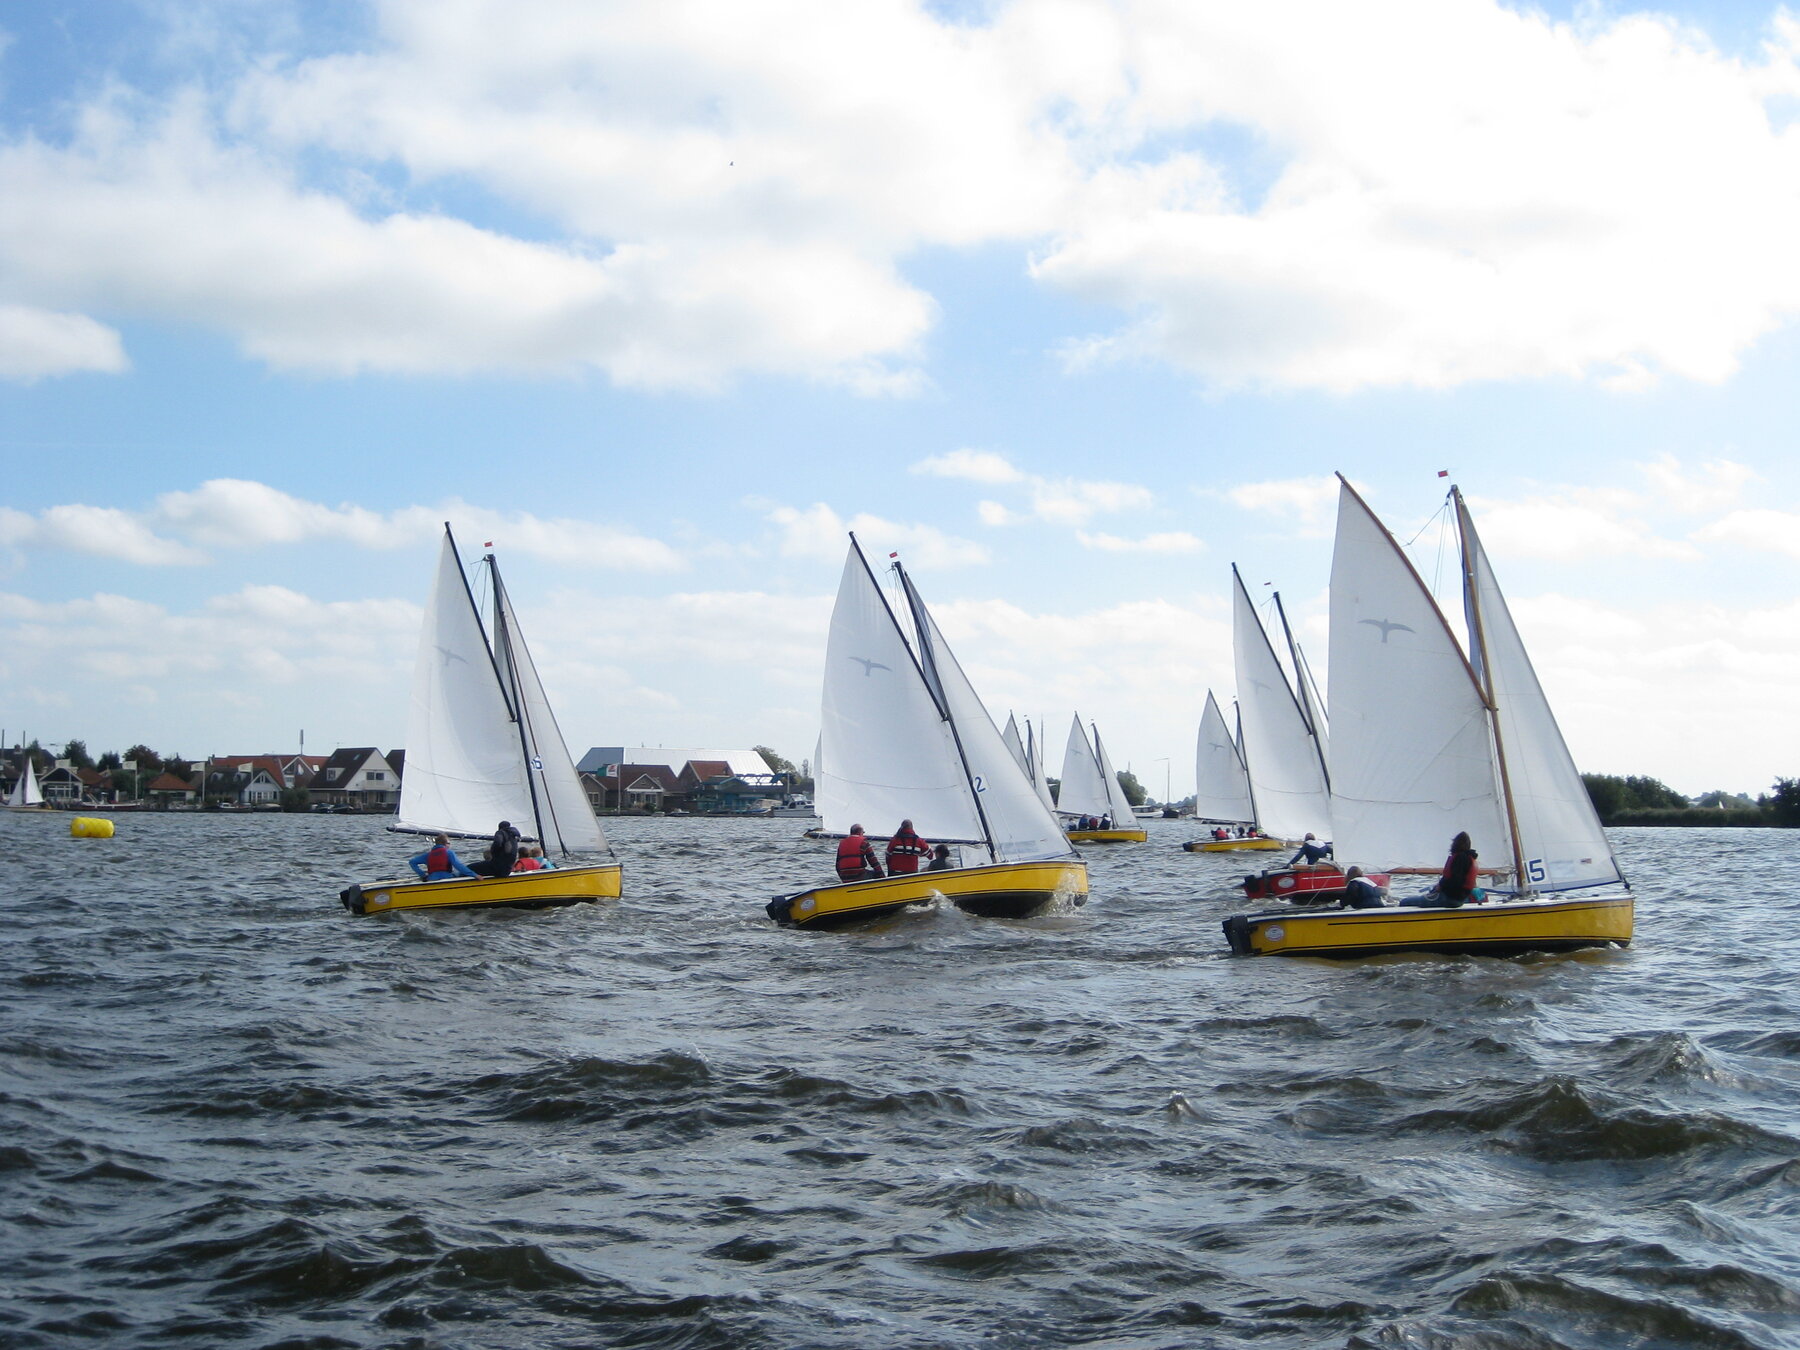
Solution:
(439, 862)
(529, 861)
(856, 858)
(905, 850)
(1460, 881)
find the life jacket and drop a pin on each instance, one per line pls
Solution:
(904, 852)
(438, 860)
(850, 860)
(1461, 874)
(528, 865)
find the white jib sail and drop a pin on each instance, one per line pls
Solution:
(1083, 791)
(1015, 745)
(1221, 787)
(1034, 751)
(1021, 827)
(1563, 844)
(1118, 805)
(1411, 755)
(886, 752)
(465, 772)
(1287, 783)
(26, 792)
(568, 815)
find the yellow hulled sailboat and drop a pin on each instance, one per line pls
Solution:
(482, 747)
(1222, 787)
(904, 736)
(1091, 789)
(1429, 740)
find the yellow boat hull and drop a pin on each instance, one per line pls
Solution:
(1503, 928)
(1107, 836)
(1236, 845)
(521, 890)
(993, 890)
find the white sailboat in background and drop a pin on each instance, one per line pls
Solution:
(1282, 757)
(26, 794)
(1427, 742)
(1222, 785)
(1090, 788)
(482, 747)
(904, 736)
(1028, 753)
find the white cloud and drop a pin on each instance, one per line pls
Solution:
(1309, 505)
(1715, 485)
(1761, 529)
(819, 532)
(1174, 541)
(974, 466)
(1572, 526)
(235, 513)
(35, 343)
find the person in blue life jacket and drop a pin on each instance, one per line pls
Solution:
(439, 862)
(1311, 850)
(1359, 891)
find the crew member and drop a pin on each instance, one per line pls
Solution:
(439, 862)
(856, 858)
(905, 849)
(1359, 891)
(502, 853)
(940, 859)
(1460, 881)
(1311, 850)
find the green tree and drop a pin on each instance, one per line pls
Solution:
(76, 752)
(775, 761)
(1784, 801)
(1134, 790)
(147, 760)
(109, 761)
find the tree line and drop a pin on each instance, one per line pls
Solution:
(1640, 800)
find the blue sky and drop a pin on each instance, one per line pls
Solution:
(1074, 304)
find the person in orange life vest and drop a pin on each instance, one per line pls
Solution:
(856, 858)
(1460, 881)
(529, 860)
(905, 850)
(439, 862)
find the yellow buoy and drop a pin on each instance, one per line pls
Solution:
(90, 827)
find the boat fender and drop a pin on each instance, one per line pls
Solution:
(780, 909)
(90, 827)
(352, 898)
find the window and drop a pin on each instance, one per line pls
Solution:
(375, 777)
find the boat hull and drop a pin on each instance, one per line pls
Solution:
(992, 890)
(1107, 836)
(1304, 885)
(1503, 928)
(1236, 845)
(520, 890)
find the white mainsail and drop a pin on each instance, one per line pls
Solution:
(1034, 752)
(1221, 787)
(1118, 805)
(465, 772)
(1281, 758)
(1019, 827)
(1083, 791)
(567, 816)
(1561, 843)
(1411, 757)
(887, 752)
(26, 792)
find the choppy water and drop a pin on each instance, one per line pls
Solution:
(235, 1116)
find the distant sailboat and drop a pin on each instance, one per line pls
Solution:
(1428, 741)
(26, 795)
(1289, 789)
(1222, 785)
(483, 746)
(904, 736)
(1091, 788)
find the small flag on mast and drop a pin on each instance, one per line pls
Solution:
(1443, 473)
(893, 555)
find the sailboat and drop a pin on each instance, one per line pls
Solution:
(1091, 788)
(904, 736)
(1222, 785)
(1428, 740)
(483, 746)
(26, 795)
(1028, 754)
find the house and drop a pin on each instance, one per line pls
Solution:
(169, 787)
(739, 794)
(646, 787)
(248, 785)
(359, 777)
(602, 759)
(97, 785)
(62, 786)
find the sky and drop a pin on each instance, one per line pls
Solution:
(1071, 304)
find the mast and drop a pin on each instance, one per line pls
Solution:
(928, 659)
(1472, 601)
(1307, 710)
(515, 696)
